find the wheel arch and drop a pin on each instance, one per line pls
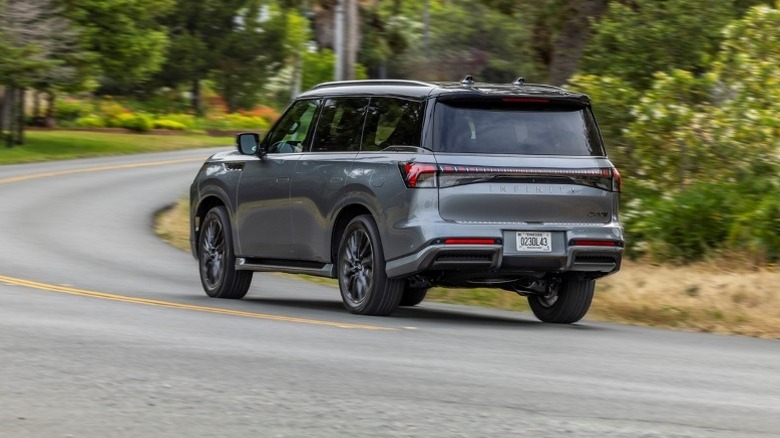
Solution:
(199, 212)
(344, 216)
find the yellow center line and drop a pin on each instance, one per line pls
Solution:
(13, 179)
(169, 304)
(148, 302)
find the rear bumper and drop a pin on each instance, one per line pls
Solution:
(596, 260)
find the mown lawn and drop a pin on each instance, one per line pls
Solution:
(61, 145)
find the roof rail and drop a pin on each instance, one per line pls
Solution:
(372, 82)
(550, 87)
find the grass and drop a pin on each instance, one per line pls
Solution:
(706, 297)
(61, 145)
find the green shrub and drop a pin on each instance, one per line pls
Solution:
(683, 227)
(90, 121)
(162, 101)
(267, 113)
(134, 122)
(113, 113)
(758, 229)
(168, 124)
(236, 121)
(68, 110)
(189, 121)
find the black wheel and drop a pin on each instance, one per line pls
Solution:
(568, 304)
(365, 288)
(413, 295)
(217, 260)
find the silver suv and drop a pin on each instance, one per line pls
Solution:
(393, 187)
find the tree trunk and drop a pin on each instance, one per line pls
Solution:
(36, 104)
(196, 98)
(351, 37)
(50, 122)
(10, 113)
(325, 24)
(569, 46)
(3, 108)
(20, 116)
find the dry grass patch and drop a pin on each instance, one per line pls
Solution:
(173, 225)
(704, 297)
(701, 297)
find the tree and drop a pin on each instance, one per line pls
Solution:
(196, 28)
(254, 51)
(633, 40)
(35, 42)
(464, 37)
(237, 43)
(561, 32)
(719, 125)
(125, 37)
(708, 145)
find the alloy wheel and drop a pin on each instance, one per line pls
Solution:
(357, 272)
(212, 254)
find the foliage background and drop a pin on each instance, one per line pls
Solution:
(687, 91)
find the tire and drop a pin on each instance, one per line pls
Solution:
(217, 260)
(413, 296)
(569, 305)
(365, 288)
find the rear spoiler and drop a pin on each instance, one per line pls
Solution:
(546, 100)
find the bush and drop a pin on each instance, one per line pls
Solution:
(266, 113)
(758, 230)
(189, 121)
(134, 122)
(683, 227)
(113, 113)
(90, 121)
(236, 121)
(707, 219)
(68, 110)
(168, 124)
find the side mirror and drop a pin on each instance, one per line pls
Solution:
(248, 143)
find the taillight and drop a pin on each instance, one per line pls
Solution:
(418, 175)
(606, 178)
(467, 241)
(594, 242)
(617, 181)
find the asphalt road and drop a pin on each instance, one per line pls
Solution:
(105, 331)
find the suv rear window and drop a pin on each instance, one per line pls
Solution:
(501, 128)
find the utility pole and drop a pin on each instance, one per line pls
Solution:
(346, 39)
(426, 27)
(338, 44)
(352, 37)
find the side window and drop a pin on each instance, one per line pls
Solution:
(392, 122)
(289, 135)
(340, 126)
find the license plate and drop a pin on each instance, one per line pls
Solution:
(540, 241)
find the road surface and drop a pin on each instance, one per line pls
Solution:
(105, 331)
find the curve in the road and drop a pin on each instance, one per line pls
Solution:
(158, 303)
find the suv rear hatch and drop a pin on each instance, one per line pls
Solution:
(525, 160)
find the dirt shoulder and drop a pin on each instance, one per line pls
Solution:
(702, 297)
